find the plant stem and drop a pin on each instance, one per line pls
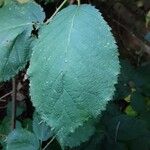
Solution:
(61, 5)
(49, 143)
(78, 2)
(40, 145)
(1, 98)
(3, 107)
(13, 103)
(116, 133)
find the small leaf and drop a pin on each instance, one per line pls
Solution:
(130, 111)
(138, 103)
(5, 127)
(21, 139)
(40, 129)
(128, 98)
(27, 124)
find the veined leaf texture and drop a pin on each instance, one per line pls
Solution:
(73, 70)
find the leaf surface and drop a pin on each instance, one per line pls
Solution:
(73, 69)
(16, 24)
(41, 130)
(80, 135)
(21, 139)
(5, 127)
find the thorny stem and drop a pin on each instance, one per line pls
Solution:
(13, 103)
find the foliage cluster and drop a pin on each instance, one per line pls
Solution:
(73, 77)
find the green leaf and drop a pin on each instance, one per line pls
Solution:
(40, 129)
(27, 124)
(19, 111)
(5, 127)
(21, 139)
(125, 76)
(143, 79)
(124, 128)
(130, 111)
(16, 24)
(137, 102)
(112, 110)
(94, 143)
(1, 3)
(79, 66)
(145, 117)
(80, 135)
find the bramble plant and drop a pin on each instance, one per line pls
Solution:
(73, 69)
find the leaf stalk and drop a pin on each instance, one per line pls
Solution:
(13, 103)
(57, 10)
(78, 2)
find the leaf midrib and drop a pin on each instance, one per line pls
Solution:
(69, 35)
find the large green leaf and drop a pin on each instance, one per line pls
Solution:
(73, 69)
(16, 24)
(21, 139)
